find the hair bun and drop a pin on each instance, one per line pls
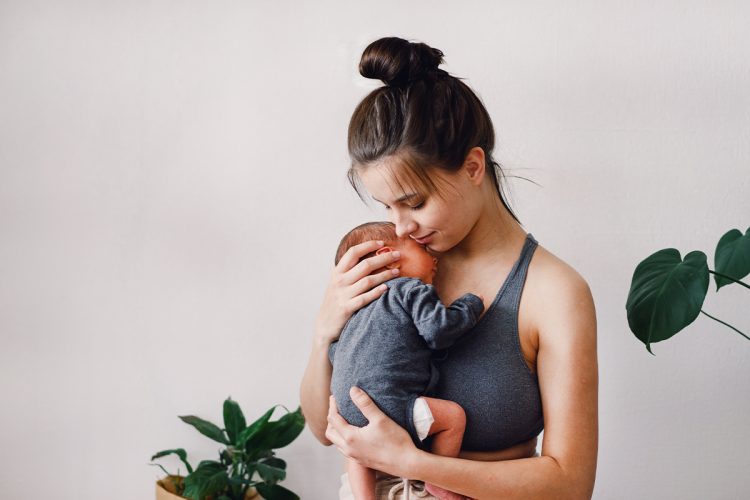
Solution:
(398, 62)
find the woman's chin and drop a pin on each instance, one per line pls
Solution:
(431, 249)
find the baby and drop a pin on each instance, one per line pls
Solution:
(385, 349)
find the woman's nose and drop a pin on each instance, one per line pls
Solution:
(405, 227)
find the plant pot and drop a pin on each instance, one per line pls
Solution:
(166, 490)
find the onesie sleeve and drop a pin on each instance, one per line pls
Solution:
(438, 324)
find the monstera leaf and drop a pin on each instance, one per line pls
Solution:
(666, 294)
(732, 257)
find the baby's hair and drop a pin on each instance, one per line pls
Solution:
(385, 231)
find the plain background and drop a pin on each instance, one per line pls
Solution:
(172, 192)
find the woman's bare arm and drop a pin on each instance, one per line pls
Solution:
(315, 389)
(351, 287)
(568, 381)
(521, 450)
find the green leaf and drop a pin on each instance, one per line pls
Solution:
(270, 473)
(208, 479)
(255, 428)
(275, 492)
(290, 426)
(234, 420)
(206, 428)
(279, 433)
(250, 469)
(225, 458)
(180, 452)
(162, 468)
(236, 480)
(275, 462)
(210, 463)
(732, 257)
(666, 294)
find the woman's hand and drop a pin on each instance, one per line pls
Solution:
(351, 287)
(382, 444)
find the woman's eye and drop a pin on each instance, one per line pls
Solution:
(415, 207)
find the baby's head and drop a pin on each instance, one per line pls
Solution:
(415, 261)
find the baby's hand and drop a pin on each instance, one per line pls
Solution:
(480, 296)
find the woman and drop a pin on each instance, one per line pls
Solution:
(422, 146)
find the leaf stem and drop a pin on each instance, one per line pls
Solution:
(727, 324)
(729, 278)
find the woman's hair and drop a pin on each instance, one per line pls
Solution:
(385, 231)
(423, 117)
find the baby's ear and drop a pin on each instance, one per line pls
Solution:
(383, 250)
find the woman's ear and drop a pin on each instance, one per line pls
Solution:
(474, 165)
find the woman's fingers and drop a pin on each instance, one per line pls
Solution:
(336, 426)
(369, 288)
(350, 288)
(353, 286)
(372, 281)
(370, 264)
(335, 420)
(382, 444)
(356, 252)
(365, 404)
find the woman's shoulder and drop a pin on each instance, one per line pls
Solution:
(552, 285)
(548, 272)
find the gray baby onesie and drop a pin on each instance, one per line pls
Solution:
(386, 346)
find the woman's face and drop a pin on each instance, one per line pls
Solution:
(438, 223)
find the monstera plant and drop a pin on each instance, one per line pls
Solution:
(247, 466)
(667, 291)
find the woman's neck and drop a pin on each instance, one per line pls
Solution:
(496, 235)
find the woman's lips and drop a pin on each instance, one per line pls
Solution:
(425, 239)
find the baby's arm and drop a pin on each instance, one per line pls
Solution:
(438, 324)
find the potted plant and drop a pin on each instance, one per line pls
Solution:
(667, 293)
(247, 467)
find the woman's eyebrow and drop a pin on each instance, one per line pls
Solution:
(403, 198)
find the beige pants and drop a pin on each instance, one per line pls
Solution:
(388, 487)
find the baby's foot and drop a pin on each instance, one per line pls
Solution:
(442, 494)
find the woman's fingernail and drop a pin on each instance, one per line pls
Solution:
(381, 242)
(396, 271)
(396, 254)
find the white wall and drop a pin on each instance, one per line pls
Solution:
(172, 191)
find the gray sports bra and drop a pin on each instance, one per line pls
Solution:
(485, 372)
